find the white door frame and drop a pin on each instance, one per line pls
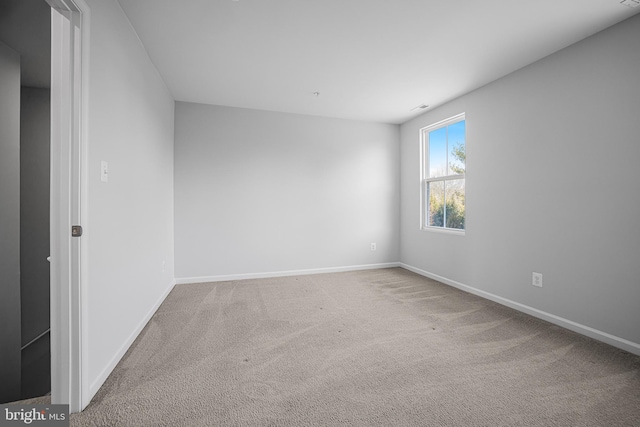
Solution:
(69, 90)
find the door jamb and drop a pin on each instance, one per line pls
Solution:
(69, 96)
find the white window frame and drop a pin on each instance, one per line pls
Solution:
(425, 180)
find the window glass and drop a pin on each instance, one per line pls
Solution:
(454, 202)
(436, 203)
(457, 148)
(438, 153)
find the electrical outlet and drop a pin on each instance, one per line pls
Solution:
(373, 247)
(536, 279)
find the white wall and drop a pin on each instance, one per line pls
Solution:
(552, 186)
(263, 192)
(130, 219)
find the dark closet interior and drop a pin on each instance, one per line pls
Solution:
(25, 359)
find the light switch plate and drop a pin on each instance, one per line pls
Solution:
(104, 171)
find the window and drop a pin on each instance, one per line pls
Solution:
(443, 175)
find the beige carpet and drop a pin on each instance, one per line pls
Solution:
(370, 348)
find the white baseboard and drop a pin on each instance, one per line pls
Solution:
(97, 383)
(613, 340)
(226, 278)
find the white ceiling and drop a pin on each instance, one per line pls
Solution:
(370, 60)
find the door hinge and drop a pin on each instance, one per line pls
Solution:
(76, 230)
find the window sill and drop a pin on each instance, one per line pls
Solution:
(451, 231)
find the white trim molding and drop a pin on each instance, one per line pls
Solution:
(244, 276)
(598, 335)
(69, 92)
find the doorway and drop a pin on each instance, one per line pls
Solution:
(25, 29)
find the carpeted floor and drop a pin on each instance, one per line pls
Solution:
(367, 348)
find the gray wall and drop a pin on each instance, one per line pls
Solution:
(9, 224)
(25, 26)
(264, 192)
(129, 224)
(35, 123)
(552, 186)
(34, 211)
